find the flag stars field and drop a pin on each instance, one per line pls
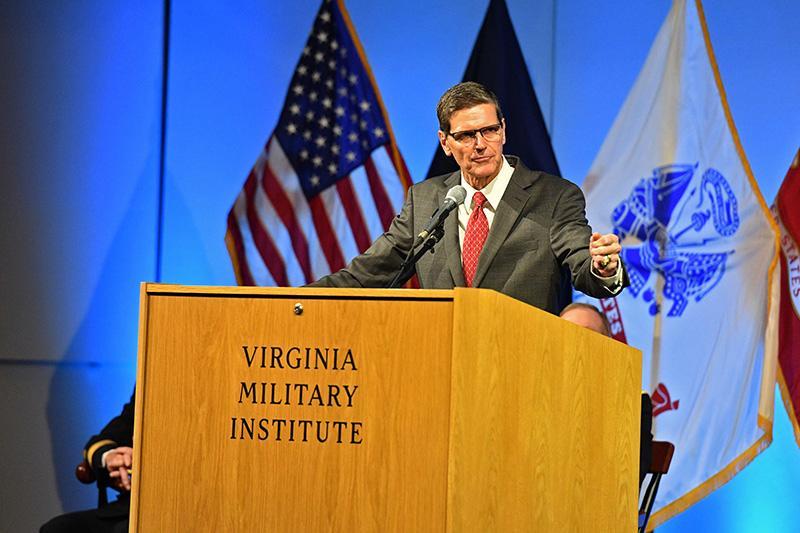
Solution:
(345, 138)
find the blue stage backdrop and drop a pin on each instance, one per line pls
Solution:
(85, 203)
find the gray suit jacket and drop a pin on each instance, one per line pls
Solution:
(538, 243)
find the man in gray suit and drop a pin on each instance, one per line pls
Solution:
(521, 232)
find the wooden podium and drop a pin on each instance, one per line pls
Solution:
(267, 409)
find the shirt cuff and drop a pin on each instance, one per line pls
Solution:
(95, 454)
(103, 457)
(613, 284)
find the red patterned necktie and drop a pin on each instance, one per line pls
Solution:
(474, 237)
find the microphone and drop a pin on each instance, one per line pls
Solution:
(455, 197)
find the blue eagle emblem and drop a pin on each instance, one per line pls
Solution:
(668, 223)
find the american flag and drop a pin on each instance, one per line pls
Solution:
(330, 178)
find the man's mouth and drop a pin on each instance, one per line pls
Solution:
(481, 159)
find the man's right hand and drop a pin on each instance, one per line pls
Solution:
(118, 464)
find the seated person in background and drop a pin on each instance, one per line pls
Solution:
(590, 317)
(110, 455)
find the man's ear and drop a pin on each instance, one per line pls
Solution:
(503, 122)
(443, 144)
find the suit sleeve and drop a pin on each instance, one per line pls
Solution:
(377, 266)
(569, 238)
(118, 432)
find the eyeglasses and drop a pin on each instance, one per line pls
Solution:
(469, 137)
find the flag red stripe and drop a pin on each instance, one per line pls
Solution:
(354, 215)
(788, 195)
(400, 167)
(382, 203)
(266, 248)
(327, 237)
(238, 248)
(789, 321)
(789, 339)
(282, 205)
(614, 315)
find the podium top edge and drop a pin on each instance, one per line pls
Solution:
(165, 289)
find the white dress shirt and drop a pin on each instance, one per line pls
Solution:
(493, 192)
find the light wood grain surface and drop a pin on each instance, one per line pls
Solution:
(545, 418)
(193, 477)
(474, 412)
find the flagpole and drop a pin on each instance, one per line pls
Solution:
(655, 359)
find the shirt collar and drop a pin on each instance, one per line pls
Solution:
(494, 190)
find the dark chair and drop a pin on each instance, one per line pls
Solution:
(86, 475)
(659, 465)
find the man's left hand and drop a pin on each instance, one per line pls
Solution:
(118, 464)
(605, 250)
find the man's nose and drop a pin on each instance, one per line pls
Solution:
(480, 142)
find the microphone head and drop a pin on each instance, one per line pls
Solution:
(457, 194)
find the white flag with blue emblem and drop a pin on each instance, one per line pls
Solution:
(699, 245)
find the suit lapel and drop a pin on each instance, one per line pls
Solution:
(452, 247)
(506, 214)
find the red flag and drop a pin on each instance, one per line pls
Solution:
(787, 214)
(330, 178)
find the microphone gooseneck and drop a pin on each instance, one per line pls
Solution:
(428, 237)
(455, 197)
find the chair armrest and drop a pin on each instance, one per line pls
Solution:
(84, 473)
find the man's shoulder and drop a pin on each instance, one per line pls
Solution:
(556, 182)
